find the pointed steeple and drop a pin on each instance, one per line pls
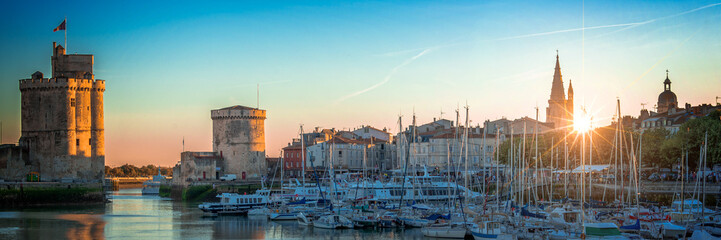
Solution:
(570, 89)
(557, 91)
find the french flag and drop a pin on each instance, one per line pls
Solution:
(60, 27)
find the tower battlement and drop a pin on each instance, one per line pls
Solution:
(77, 84)
(237, 112)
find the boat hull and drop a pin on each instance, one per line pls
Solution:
(456, 233)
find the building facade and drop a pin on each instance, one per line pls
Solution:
(62, 121)
(293, 160)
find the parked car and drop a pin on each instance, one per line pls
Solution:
(228, 177)
(655, 177)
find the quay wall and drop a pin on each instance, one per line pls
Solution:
(47, 194)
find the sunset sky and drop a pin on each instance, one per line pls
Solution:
(345, 64)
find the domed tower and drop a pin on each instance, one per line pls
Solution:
(667, 99)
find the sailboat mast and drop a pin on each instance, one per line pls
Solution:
(302, 155)
(482, 163)
(523, 165)
(466, 176)
(498, 179)
(537, 175)
(590, 161)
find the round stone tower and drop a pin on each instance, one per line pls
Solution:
(239, 138)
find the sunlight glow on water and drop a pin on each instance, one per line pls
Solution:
(133, 216)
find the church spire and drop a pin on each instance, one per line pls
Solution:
(557, 91)
(570, 89)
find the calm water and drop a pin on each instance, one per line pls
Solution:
(133, 216)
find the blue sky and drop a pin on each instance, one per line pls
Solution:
(345, 64)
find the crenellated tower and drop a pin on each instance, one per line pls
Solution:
(62, 119)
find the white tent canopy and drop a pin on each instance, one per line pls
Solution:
(590, 168)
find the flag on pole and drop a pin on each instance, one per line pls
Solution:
(60, 27)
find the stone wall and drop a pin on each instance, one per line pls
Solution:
(196, 166)
(15, 163)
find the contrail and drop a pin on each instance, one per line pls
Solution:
(625, 25)
(386, 79)
(571, 30)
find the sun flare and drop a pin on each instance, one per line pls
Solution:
(582, 122)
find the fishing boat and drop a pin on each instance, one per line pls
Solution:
(333, 221)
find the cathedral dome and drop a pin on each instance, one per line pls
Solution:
(666, 97)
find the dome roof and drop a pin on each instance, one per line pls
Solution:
(666, 97)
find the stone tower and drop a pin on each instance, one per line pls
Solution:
(239, 138)
(62, 119)
(559, 110)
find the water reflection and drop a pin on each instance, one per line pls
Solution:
(134, 216)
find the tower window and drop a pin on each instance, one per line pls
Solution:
(77, 142)
(90, 141)
(72, 102)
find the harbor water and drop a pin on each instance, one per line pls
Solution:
(130, 215)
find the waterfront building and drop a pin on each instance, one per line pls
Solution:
(63, 133)
(293, 159)
(368, 132)
(560, 108)
(349, 154)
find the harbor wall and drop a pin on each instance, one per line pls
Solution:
(46, 194)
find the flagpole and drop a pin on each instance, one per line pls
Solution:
(66, 35)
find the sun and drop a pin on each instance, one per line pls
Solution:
(581, 122)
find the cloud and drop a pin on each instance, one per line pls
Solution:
(387, 78)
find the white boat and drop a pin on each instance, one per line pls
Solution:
(414, 221)
(489, 230)
(602, 231)
(233, 203)
(703, 235)
(281, 216)
(688, 210)
(333, 222)
(713, 228)
(262, 211)
(670, 230)
(445, 231)
(152, 187)
(304, 220)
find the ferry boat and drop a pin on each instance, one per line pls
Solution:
(233, 203)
